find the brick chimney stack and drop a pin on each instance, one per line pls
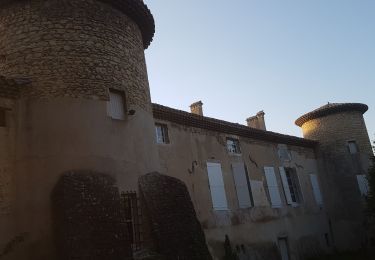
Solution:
(197, 108)
(257, 121)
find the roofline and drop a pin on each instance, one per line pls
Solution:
(137, 10)
(188, 119)
(338, 108)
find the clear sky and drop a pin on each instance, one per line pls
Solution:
(242, 56)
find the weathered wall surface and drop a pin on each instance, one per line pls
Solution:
(7, 163)
(344, 202)
(254, 226)
(175, 227)
(89, 218)
(72, 51)
(75, 48)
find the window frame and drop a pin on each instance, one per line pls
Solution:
(164, 133)
(282, 149)
(291, 186)
(235, 144)
(124, 103)
(353, 142)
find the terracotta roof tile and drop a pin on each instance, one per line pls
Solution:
(331, 108)
(188, 119)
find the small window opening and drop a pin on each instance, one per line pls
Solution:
(161, 134)
(116, 106)
(284, 153)
(2, 118)
(353, 147)
(233, 146)
(293, 183)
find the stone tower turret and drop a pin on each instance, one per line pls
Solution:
(75, 93)
(343, 152)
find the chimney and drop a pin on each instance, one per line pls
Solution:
(197, 108)
(257, 121)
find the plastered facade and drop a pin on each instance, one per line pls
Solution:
(305, 225)
(58, 60)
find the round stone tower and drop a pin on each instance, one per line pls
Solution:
(80, 100)
(343, 153)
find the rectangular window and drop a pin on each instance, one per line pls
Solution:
(316, 189)
(283, 247)
(363, 184)
(161, 134)
(284, 153)
(353, 148)
(3, 122)
(242, 183)
(291, 185)
(273, 187)
(233, 146)
(116, 106)
(216, 182)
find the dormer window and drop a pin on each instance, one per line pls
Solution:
(353, 147)
(233, 146)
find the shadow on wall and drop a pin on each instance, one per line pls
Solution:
(176, 230)
(88, 218)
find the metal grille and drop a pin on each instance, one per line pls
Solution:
(133, 218)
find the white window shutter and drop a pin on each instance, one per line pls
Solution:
(316, 189)
(273, 188)
(363, 184)
(242, 188)
(215, 178)
(116, 106)
(284, 180)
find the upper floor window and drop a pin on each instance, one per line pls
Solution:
(233, 146)
(353, 147)
(116, 106)
(291, 185)
(283, 152)
(2, 117)
(161, 134)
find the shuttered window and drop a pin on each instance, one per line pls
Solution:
(292, 189)
(363, 184)
(116, 104)
(215, 178)
(273, 188)
(288, 196)
(316, 189)
(242, 185)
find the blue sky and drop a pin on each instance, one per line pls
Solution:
(242, 56)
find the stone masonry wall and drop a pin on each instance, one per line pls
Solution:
(73, 48)
(339, 169)
(176, 229)
(88, 218)
(333, 132)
